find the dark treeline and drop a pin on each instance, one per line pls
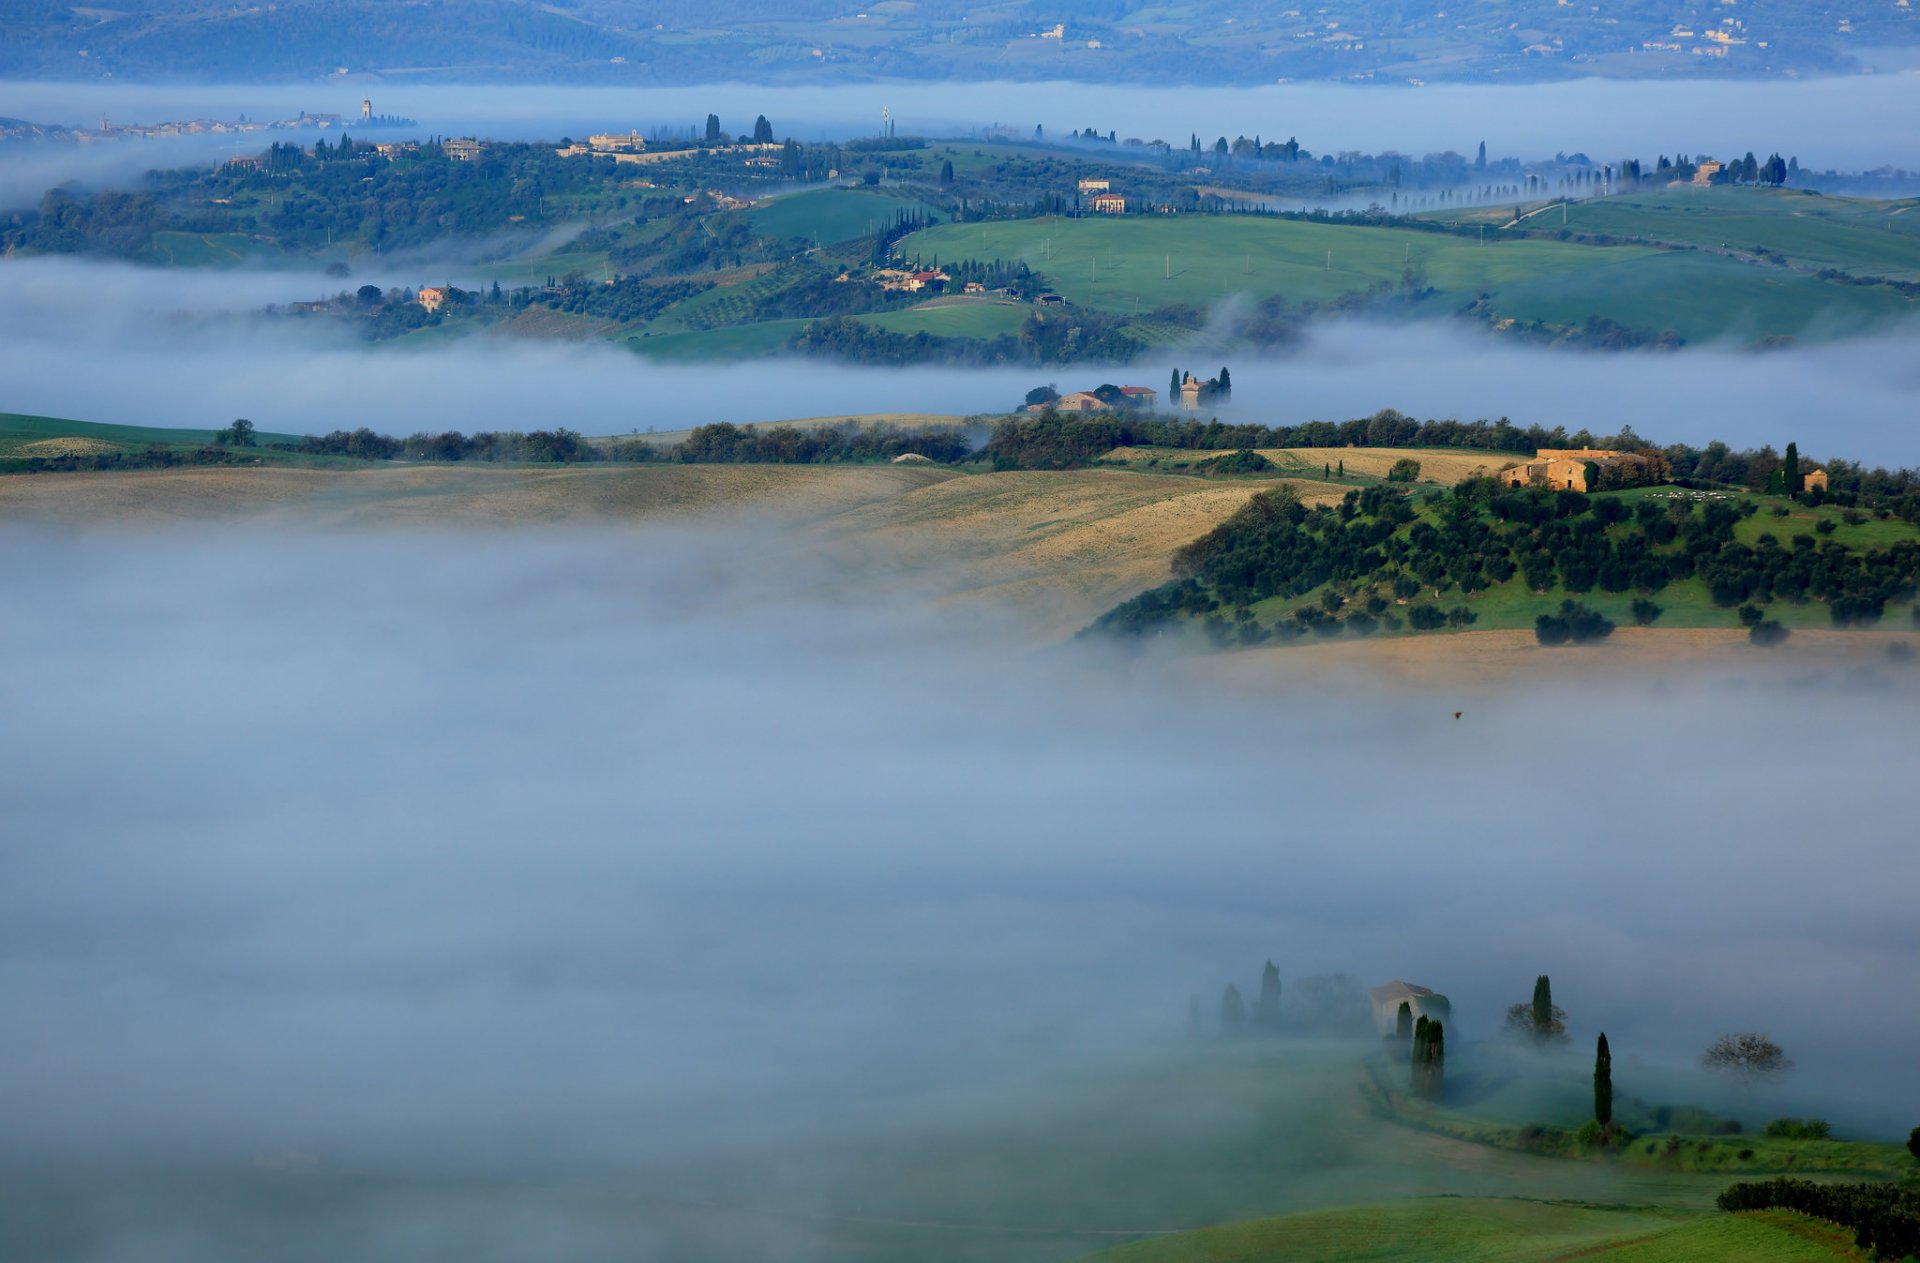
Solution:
(1061, 441)
(102, 462)
(725, 443)
(1884, 1218)
(543, 447)
(722, 443)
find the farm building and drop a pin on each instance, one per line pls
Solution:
(1386, 1001)
(434, 297)
(1566, 469)
(1091, 185)
(1108, 203)
(462, 150)
(1813, 478)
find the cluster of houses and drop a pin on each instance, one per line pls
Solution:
(1098, 196)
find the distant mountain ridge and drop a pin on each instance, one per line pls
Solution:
(676, 41)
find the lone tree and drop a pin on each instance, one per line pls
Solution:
(1541, 1019)
(1403, 1024)
(1266, 1010)
(1602, 1082)
(239, 434)
(713, 129)
(1749, 1056)
(1790, 470)
(1233, 1012)
(1913, 1143)
(762, 131)
(1225, 389)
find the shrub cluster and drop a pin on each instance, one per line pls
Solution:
(1885, 1218)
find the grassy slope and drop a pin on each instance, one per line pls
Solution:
(1685, 603)
(17, 431)
(1811, 230)
(1500, 1231)
(830, 215)
(1699, 296)
(978, 318)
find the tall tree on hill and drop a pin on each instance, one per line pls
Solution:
(946, 172)
(1233, 1013)
(1403, 1022)
(713, 129)
(1173, 390)
(762, 131)
(1602, 1082)
(1266, 1010)
(1418, 1057)
(1225, 388)
(1542, 1007)
(1790, 470)
(1480, 162)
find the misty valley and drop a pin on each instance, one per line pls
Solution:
(840, 638)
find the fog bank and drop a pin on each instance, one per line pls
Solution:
(182, 354)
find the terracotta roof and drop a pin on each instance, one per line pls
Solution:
(1397, 990)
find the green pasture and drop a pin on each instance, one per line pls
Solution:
(1810, 230)
(980, 318)
(18, 430)
(1505, 1230)
(769, 337)
(825, 216)
(209, 249)
(1684, 603)
(1128, 264)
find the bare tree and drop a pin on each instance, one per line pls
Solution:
(1749, 1056)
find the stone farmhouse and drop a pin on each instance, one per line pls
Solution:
(1107, 203)
(1087, 401)
(1565, 468)
(1386, 1001)
(434, 297)
(1093, 185)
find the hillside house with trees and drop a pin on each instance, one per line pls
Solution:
(1585, 469)
(434, 297)
(1107, 204)
(1387, 999)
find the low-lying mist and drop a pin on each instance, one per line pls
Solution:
(117, 343)
(567, 855)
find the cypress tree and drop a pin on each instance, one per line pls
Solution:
(1421, 1032)
(1602, 1082)
(1790, 470)
(1403, 1024)
(1226, 383)
(1233, 1012)
(1542, 1007)
(1436, 1076)
(1266, 1012)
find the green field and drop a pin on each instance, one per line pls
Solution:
(769, 337)
(18, 431)
(1809, 230)
(209, 249)
(1136, 263)
(1485, 1230)
(825, 216)
(978, 318)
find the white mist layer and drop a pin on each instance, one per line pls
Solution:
(116, 343)
(507, 852)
